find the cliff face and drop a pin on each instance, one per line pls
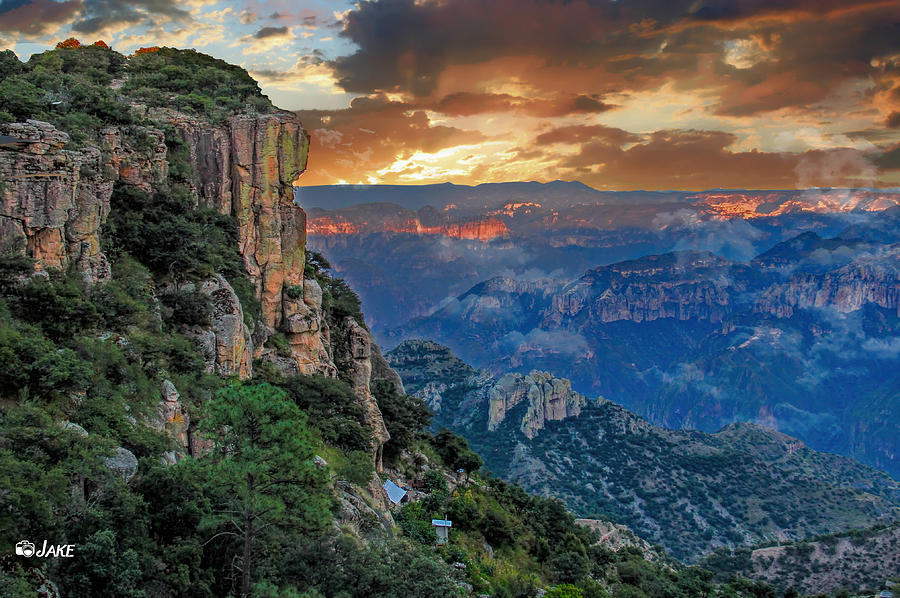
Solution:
(683, 286)
(389, 218)
(869, 280)
(54, 202)
(548, 399)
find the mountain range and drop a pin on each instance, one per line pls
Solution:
(416, 246)
(802, 338)
(689, 491)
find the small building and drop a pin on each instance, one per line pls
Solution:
(886, 594)
(442, 529)
(394, 492)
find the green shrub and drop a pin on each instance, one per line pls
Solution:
(191, 307)
(172, 237)
(279, 342)
(359, 468)
(407, 418)
(416, 524)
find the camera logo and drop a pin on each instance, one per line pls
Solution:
(25, 548)
(28, 549)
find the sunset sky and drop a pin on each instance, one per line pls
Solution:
(618, 94)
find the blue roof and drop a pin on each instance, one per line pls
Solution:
(394, 492)
(441, 523)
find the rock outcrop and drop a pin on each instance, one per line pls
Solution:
(54, 202)
(681, 285)
(548, 399)
(355, 362)
(872, 279)
(172, 417)
(122, 463)
(226, 344)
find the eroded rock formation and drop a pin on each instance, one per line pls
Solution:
(54, 202)
(548, 399)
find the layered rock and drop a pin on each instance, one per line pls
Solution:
(226, 344)
(683, 286)
(381, 218)
(867, 280)
(548, 399)
(54, 201)
(246, 168)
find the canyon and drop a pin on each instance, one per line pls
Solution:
(690, 491)
(695, 310)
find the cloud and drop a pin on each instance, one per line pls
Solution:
(546, 341)
(105, 15)
(36, 17)
(247, 17)
(572, 89)
(677, 159)
(587, 133)
(883, 348)
(766, 55)
(341, 150)
(266, 39)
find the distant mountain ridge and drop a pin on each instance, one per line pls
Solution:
(569, 193)
(804, 338)
(689, 491)
(416, 246)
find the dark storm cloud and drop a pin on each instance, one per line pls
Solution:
(465, 103)
(33, 17)
(805, 47)
(404, 45)
(100, 14)
(266, 32)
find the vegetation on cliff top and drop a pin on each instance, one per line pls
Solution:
(81, 89)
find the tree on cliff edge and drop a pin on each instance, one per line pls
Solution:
(261, 474)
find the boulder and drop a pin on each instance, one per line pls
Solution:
(123, 463)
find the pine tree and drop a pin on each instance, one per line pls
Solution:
(261, 472)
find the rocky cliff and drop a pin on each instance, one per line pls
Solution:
(390, 218)
(870, 279)
(462, 397)
(547, 399)
(54, 202)
(681, 286)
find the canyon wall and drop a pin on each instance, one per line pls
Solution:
(54, 202)
(548, 399)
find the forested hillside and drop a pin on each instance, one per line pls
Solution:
(193, 402)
